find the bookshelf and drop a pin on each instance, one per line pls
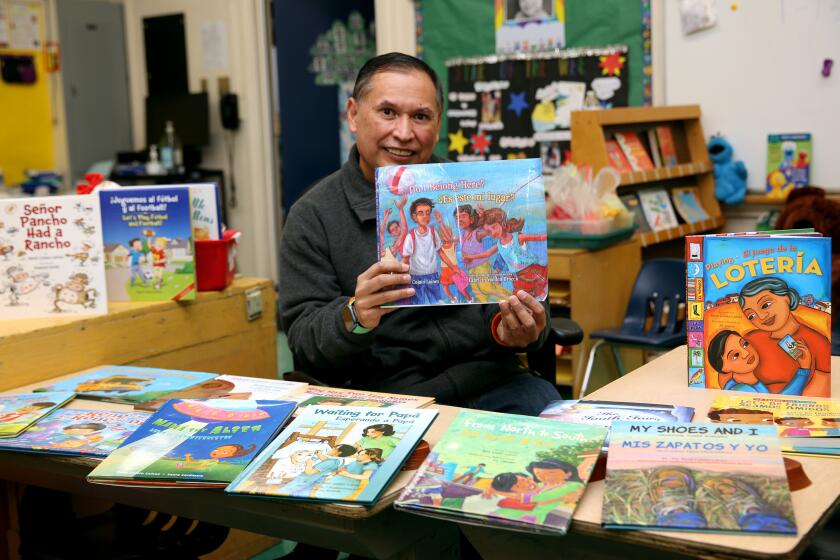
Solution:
(592, 129)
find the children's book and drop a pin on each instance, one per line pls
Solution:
(335, 396)
(696, 477)
(631, 202)
(335, 454)
(759, 313)
(148, 233)
(634, 150)
(657, 208)
(688, 205)
(72, 431)
(667, 149)
(508, 471)
(19, 411)
(617, 159)
(51, 257)
(230, 387)
(788, 163)
(129, 384)
(805, 426)
(653, 142)
(471, 232)
(194, 443)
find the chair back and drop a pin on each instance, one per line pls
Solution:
(655, 302)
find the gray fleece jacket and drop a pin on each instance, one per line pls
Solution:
(329, 239)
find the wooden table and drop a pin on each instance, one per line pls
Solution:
(664, 380)
(212, 333)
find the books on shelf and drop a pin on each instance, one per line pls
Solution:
(631, 202)
(657, 208)
(336, 396)
(788, 163)
(72, 431)
(128, 384)
(51, 257)
(696, 477)
(204, 443)
(634, 150)
(19, 411)
(667, 148)
(507, 471)
(759, 313)
(230, 387)
(688, 205)
(805, 426)
(335, 454)
(653, 142)
(616, 157)
(428, 217)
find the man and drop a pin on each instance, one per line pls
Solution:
(332, 289)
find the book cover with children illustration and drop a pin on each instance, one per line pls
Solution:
(71, 431)
(762, 304)
(504, 470)
(149, 254)
(335, 454)
(696, 477)
(472, 232)
(788, 163)
(128, 384)
(51, 257)
(338, 396)
(231, 387)
(18, 412)
(194, 442)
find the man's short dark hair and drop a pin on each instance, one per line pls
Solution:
(421, 202)
(396, 62)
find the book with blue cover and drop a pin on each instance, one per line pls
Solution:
(471, 232)
(19, 411)
(335, 454)
(128, 384)
(194, 442)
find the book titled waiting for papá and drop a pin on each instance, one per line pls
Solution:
(471, 232)
(759, 313)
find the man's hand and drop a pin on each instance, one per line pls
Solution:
(376, 286)
(523, 319)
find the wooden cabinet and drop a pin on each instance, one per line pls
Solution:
(592, 129)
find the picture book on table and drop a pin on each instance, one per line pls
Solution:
(634, 150)
(504, 470)
(336, 396)
(810, 426)
(194, 442)
(656, 205)
(688, 205)
(788, 163)
(128, 384)
(335, 454)
(148, 234)
(51, 257)
(696, 477)
(73, 431)
(667, 149)
(19, 411)
(617, 159)
(230, 387)
(471, 232)
(759, 313)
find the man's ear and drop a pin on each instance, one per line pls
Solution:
(352, 113)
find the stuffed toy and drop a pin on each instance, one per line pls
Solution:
(730, 176)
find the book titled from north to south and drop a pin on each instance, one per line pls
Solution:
(471, 232)
(788, 163)
(19, 411)
(72, 431)
(128, 384)
(508, 471)
(51, 257)
(194, 443)
(335, 454)
(759, 313)
(149, 252)
(809, 426)
(230, 387)
(696, 477)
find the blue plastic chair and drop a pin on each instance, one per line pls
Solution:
(652, 319)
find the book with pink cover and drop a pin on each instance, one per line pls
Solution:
(616, 157)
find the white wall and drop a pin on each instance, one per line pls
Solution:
(395, 26)
(758, 72)
(247, 67)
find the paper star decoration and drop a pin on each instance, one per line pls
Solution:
(518, 103)
(481, 142)
(611, 64)
(457, 142)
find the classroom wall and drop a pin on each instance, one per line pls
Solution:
(247, 66)
(758, 72)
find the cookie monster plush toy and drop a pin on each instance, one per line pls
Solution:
(730, 176)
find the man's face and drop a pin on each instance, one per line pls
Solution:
(422, 215)
(396, 121)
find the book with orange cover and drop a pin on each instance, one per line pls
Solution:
(666, 146)
(634, 150)
(616, 157)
